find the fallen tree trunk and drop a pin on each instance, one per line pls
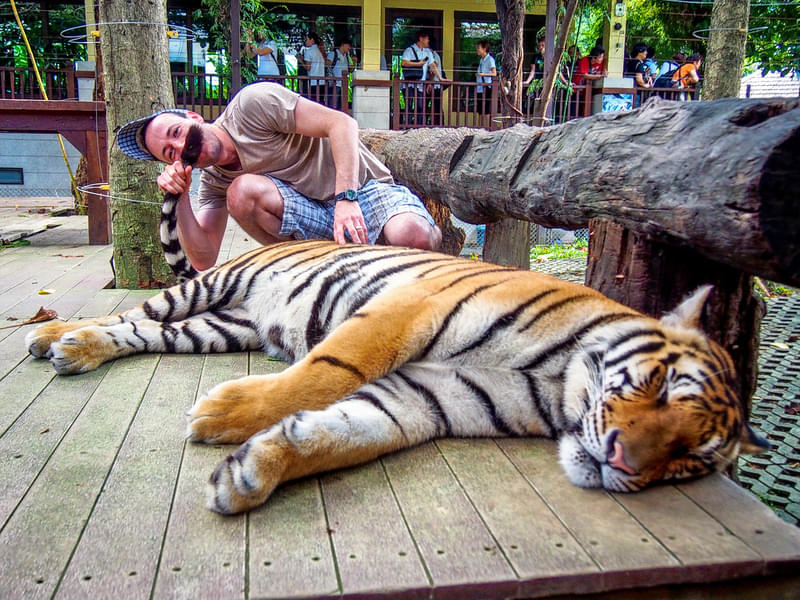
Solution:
(717, 177)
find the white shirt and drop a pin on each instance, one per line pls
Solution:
(421, 53)
(268, 63)
(485, 65)
(342, 65)
(314, 56)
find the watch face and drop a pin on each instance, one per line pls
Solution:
(351, 195)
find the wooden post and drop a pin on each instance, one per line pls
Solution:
(236, 47)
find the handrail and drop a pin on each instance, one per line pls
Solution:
(412, 105)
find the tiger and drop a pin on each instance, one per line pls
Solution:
(390, 347)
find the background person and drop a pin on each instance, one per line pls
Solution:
(266, 53)
(486, 72)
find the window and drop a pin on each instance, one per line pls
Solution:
(11, 176)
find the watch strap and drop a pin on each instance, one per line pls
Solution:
(350, 195)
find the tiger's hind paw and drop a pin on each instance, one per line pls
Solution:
(39, 341)
(230, 413)
(246, 478)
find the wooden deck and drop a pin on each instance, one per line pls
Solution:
(103, 498)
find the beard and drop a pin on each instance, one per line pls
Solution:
(193, 145)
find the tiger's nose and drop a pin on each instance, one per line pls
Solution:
(615, 456)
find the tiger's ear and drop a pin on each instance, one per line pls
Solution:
(751, 442)
(688, 312)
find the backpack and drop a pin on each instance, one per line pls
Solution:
(665, 80)
(413, 73)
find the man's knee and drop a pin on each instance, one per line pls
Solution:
(412, 230)
(248, 193)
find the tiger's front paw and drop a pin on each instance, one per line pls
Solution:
(40, 340)
(246, 478)
(81, 350)
(231, 412)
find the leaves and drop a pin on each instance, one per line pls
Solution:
(42, 315)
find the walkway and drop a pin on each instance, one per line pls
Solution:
(103, 498)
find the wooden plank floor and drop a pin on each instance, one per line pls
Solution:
(103, 498)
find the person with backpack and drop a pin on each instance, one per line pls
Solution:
(667, 70)
(686, 75)
(413, 62)
(638, 68)
(341, 64)
(266, 52)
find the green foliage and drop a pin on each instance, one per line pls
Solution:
(256, 20)
(50, 49)
(578, 249)
(776, 48)
(15, 244)
(668, 27)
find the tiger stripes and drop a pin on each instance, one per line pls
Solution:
(391, 347)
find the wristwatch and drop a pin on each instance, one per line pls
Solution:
(350, 195)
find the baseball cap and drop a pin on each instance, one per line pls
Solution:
(130, 136)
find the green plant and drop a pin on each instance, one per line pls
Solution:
(15, 244)
(578, 249)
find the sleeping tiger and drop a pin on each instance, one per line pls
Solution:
(391, 347)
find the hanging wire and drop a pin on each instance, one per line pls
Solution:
(73, 185)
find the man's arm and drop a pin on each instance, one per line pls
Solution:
(200, 235)
(314, 120)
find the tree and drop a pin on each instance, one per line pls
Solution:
(508, 240)
(726, 49)
(137, 82)
(557, 25)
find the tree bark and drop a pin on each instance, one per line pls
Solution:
(726, 49)
(718, 177)
(137, 83)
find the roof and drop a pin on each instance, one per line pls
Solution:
(772, 84)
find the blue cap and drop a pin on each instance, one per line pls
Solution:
(130, 137)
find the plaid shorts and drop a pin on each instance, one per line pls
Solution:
(304, 218)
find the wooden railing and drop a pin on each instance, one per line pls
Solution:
(411, 105)
(19, 83)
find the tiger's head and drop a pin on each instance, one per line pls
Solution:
(656, 402)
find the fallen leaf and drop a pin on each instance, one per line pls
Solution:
(780, 345)
(45, 292)
(45, 430)
(43, 314)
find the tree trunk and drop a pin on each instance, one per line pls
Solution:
(726, 49)
(137, 83)
(508, 240)
(725, 187)
(556, 29)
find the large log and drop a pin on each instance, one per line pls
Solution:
(718, 177)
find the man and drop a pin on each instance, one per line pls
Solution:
(639, 69)
(267, 53)
(590, 67)
(284, 168)
(413, 61)
(341, 63)
(313, 59)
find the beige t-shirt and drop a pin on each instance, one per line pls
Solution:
(260, 121)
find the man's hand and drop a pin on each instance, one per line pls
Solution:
(176, 178)
(347, 217)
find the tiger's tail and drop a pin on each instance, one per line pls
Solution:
(168, 233)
